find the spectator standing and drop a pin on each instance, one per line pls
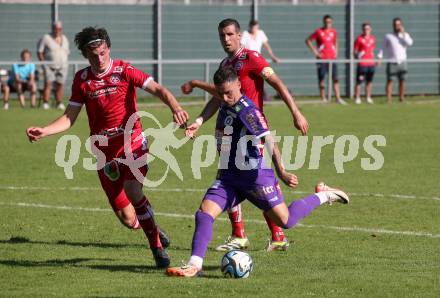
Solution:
(54, 49)
(255, 38)
(364, 46)
(326, 49)
(394, 48)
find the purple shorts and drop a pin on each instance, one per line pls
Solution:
(260, 187)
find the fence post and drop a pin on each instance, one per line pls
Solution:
(254, 10)
(55, 15)
(158, 40)
(330, 81)
(351, 43)
(206, 80)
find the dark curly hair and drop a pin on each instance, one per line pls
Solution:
(87, 37)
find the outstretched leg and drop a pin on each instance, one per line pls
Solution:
(288, 217)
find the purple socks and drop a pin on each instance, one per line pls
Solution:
(300, 209)
(202, 234)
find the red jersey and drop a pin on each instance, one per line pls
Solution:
(364, 46)
(110, 97)
(252, 69)
(326, 42)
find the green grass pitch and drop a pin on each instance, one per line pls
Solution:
(385, 243)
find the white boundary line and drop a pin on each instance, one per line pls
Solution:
(79, 188)
(188, 216)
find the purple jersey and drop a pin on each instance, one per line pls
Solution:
(239, 130)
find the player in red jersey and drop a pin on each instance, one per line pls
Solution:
(327, 49)
(364, 46)
(108, 90)
(252, 70)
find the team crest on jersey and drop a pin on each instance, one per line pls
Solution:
(84, 75)
(238, 66)
(118, 69)
(238, 108)
(115, 78)
(228, 120)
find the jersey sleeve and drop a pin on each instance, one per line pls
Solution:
(254, 122)
(77, 98)
(32, 69)
(259, 66)
(314, 35)
(14, 69)
(41, 44)
(263, 36)
(357, 46)
(137, 77)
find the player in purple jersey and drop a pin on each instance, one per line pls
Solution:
(241, 132)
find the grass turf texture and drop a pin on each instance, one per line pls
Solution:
(62, 252)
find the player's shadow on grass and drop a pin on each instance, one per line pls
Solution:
(78, 263)
(23, 240)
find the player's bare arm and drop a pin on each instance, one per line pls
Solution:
(180, 116)
(312, 48)
(272, 56)
(208, 111)
(299, 120)
(62, 123)
(188, 87)
(291, 180)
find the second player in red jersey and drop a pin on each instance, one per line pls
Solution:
(108, 90)
(326, 49)
(252, 70)
(250, 67)
(364, 46)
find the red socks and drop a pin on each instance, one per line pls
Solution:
(277, 232)
(146, 220)
(237, 222)
(236, 218)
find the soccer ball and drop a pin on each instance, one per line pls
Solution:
(237, 264)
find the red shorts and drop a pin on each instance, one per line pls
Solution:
(114, 173)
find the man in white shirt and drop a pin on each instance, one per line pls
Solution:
(54, 48)
(255, 39)
(394, 48)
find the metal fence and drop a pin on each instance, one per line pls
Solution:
(208, 67)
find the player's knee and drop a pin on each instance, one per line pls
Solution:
(133, 190)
